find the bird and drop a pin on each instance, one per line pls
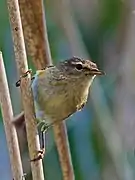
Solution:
(61, 90)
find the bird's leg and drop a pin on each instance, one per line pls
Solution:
(43, 129)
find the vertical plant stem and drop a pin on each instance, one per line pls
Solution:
(60, 133)
(27, 99)
(11, 135)
(35, 33)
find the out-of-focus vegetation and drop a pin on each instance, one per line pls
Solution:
(101, 136)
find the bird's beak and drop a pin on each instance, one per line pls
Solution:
(96, 71)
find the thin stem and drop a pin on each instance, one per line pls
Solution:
(60, 133)
(35, 33)
(11, 135)
(27, 99)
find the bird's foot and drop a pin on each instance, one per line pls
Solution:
(18, 83)
(43, 125)
(39, 156)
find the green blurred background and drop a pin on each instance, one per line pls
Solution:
(102, 135)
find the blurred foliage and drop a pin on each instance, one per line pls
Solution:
(103, 26)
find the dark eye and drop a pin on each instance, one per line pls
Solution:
(79, 66)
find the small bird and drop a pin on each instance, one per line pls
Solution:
(61, 90)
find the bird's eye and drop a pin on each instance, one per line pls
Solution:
(79, 67)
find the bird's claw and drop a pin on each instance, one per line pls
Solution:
(23, 76)
(43, 125)
(40, 155)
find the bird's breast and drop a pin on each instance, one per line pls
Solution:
(79, 97)
(59, 101)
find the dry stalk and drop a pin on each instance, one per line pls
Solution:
(11, 135)
(60, 133)
(35, 32)
(27, 99)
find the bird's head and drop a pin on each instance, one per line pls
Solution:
(79, 68)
